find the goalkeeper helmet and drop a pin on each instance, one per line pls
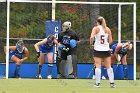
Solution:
(66, 25)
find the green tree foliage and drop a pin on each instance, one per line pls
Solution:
(3, 18)
(28, 20)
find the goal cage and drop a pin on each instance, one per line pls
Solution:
(120, 17)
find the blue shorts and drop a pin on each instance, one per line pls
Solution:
(11, 54)
(43, 50)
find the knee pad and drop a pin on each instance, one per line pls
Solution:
(64, 54)
(58, 59)
(50, 64)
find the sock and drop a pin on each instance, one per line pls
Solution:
(50, 68)
(94, 67)
(125, 69)
(110, 75)
(39, 69)
(98, 75)
(103, 71)
(17, 70)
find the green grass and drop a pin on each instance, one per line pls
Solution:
(66, 86)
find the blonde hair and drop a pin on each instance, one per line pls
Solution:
(20, 42)
(102, 22)
(52, 37)
(130, 46)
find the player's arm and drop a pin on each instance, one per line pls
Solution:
(39, 43)
(60, 37)
(110, 36)
(10, 48)
(93, 33)
(26, 55)
(75, 36)
(118, 47)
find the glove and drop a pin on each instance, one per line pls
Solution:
(38, 54)
(65, 49)
(56, 53)
(91, 46)
(21, 60)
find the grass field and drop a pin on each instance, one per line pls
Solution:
(66, 86)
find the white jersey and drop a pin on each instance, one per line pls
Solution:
(101, 40)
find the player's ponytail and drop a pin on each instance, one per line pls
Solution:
(102, 22)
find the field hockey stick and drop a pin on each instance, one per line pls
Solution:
(38, 55)
(119, 64)
(92, 54)
(90, 72)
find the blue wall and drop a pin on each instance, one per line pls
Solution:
(30, 70)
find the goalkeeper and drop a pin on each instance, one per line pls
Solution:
(67, 51)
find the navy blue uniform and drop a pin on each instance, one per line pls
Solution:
(20, 55)
(46, 48)
(17, 53)
(122, 51)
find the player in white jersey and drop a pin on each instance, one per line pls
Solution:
(103, 38)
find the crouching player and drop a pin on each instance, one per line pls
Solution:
(43, 48)
(18, 54)
(121, 49)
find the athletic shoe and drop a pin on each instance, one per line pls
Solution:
(58, 76)
(125, 78)
(17, 76)
(93, 77)
(103, 78)
(71, 76)
(112, 85)
(49, 76)
(97, 85)
(39, 76)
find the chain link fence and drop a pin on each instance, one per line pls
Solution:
(27, 21)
